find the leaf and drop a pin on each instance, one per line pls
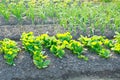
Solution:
(38, 64)
(104, 53)
(60, 53)
(46, 63)
(10, 61)
(53, 49)
(83, 57)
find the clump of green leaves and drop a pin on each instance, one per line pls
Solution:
(62, 42)
(72, 45)
(77, 48)
(53, 44)
(57, 50)
(116, 46)
(10, 50)
(33, 45)
(96, 43)
(48, 41)
(108, 43)
(65, 36)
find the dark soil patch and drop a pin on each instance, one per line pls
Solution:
(25, 21)
(14, 31)
(60, 69)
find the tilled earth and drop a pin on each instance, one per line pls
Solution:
(66, 68)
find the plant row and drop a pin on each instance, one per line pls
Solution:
(57, 45)
(67, 13)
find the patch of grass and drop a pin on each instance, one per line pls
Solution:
(17, 9)
(4, 11)
(69, 14)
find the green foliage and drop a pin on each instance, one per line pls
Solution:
(69, 14)
(33, 45)
(53, 44)
(105, 53)
(28, 41)
(39, 59)
(44, 38)
(57, 45)
(106, 0)
(4, 11)
(117, 37)
(1, 47)
(97, 44)
(17, 9)
(48, 41)
(77, 48)
(10, 50)
(116, 46)
(108, 43)
(30, 12)
(57, 50)
(86, 41)
(65, 36)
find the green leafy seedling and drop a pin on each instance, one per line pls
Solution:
(33, 45)
(10, 50)
(17, 9)
(4, 11)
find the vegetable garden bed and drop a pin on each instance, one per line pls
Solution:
(59, 40)
(67, 67)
